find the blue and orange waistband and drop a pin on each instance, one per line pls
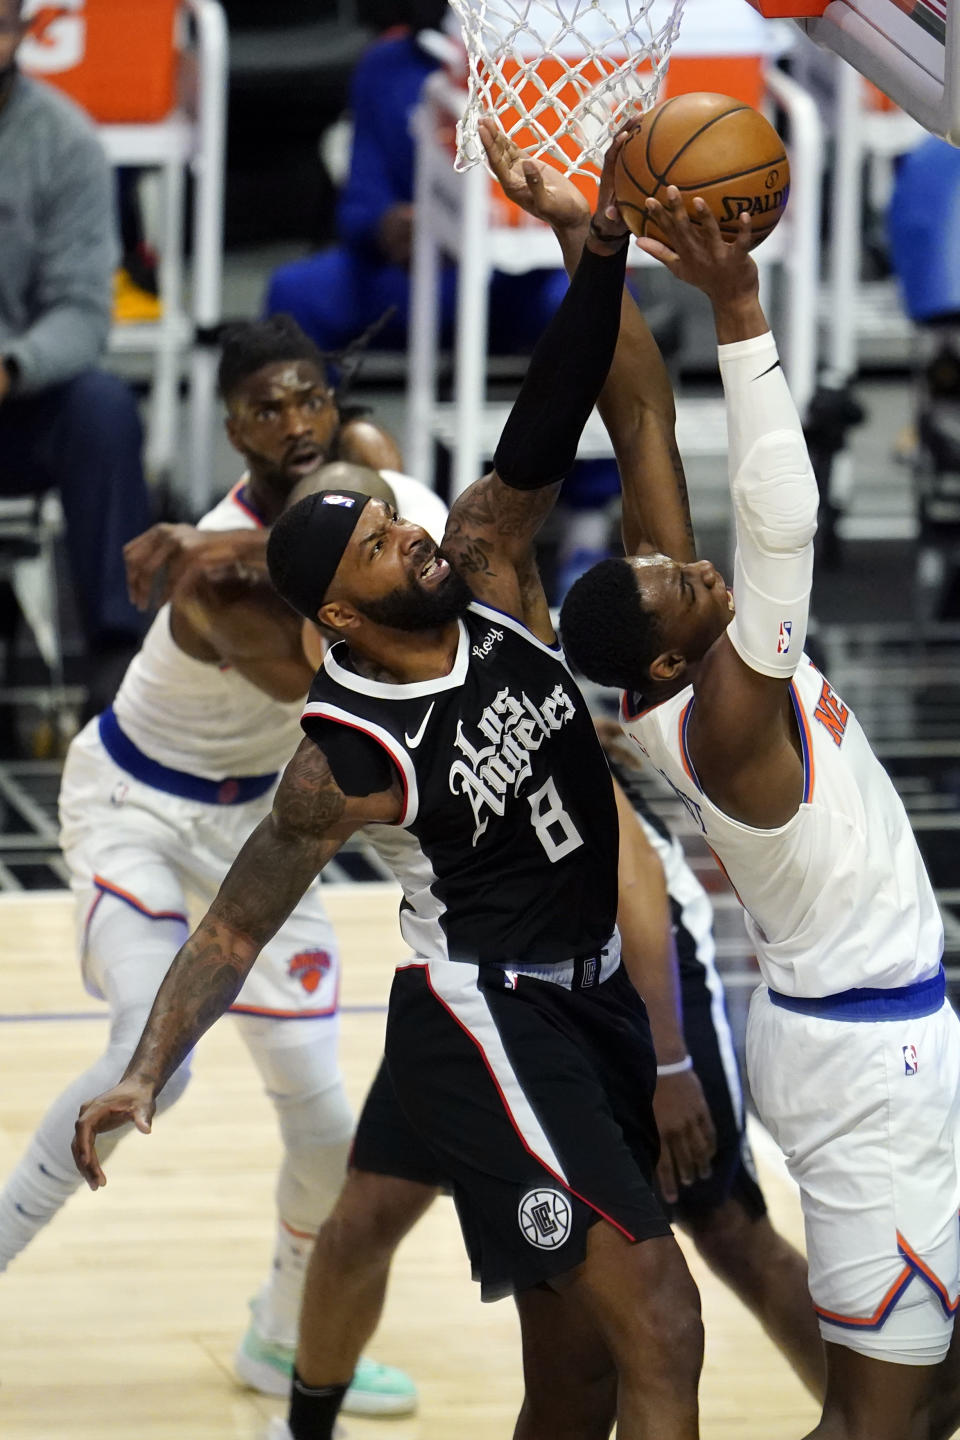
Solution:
(235, 790)
(908, 1002)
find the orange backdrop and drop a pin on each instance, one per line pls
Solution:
(116, 58)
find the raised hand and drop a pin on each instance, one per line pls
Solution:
(607, 222)
(698, 252)
(127, 1103)
(534, 185)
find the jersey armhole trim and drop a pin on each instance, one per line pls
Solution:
(682, 726)
(490, 612)
(239, 497)
(806, 744)
(314, 709)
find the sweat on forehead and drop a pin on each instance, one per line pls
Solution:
(252, 345)
(648, 562)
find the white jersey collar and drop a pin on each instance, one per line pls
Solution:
(389, 690)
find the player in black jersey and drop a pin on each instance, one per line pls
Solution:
(516, 1044)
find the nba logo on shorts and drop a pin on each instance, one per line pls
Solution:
(545, 1218)
(783, 643)
(910, 1062)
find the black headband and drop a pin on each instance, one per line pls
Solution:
(307, 543)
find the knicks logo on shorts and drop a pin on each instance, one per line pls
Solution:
(309, 967)
(545, 1218)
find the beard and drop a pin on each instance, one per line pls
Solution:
(415, 608)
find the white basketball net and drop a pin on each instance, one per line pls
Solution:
(612, 56)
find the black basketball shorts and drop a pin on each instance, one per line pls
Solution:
(532, 1101)
(732, 1172)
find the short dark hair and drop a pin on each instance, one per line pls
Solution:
(606, 632)
(248, 345)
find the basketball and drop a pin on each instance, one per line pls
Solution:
(707, 145)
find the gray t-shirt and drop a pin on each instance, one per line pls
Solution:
(58, 245)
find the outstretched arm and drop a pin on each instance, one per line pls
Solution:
(636, 403)
(492, 525)
(310, 820)
(743, 734)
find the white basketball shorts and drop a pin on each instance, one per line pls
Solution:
(867, 1114)
(130, 844)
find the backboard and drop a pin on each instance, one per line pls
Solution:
(910, 49)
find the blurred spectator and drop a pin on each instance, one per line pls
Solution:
(64, 424)
(341, 290)
(924, 229)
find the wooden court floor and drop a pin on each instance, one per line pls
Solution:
(121, 1319)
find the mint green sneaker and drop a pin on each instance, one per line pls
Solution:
(379, 1390)
(375, 1389)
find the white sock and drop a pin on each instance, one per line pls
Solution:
(277, 1311)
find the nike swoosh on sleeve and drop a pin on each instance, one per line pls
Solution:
(774, 366)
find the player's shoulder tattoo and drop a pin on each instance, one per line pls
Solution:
(309, 798)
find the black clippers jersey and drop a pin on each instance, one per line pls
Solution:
(507, 848)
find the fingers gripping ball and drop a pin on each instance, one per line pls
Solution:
(707, 145)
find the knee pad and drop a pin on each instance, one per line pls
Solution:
(317, 1132)
(316, 1121)
(310, 1179)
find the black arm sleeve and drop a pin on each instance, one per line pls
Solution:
(566, 374)
(359, 765)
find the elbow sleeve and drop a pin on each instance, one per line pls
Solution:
(775, 494)
(775, 502)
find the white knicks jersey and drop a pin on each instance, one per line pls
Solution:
(202, 717)
(838, 898)
(206, 718)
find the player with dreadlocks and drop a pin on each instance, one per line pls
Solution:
(160, 792)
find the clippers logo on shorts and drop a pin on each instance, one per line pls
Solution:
(515, 728)
(309, 967)
(546, 1218)
(783, 643)
(910, 1062)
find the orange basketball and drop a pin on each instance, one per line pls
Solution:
(707, 145)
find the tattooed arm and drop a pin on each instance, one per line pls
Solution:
(310, 820)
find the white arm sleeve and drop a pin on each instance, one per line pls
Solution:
(775, 503)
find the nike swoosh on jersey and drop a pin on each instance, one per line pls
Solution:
(412, 741)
